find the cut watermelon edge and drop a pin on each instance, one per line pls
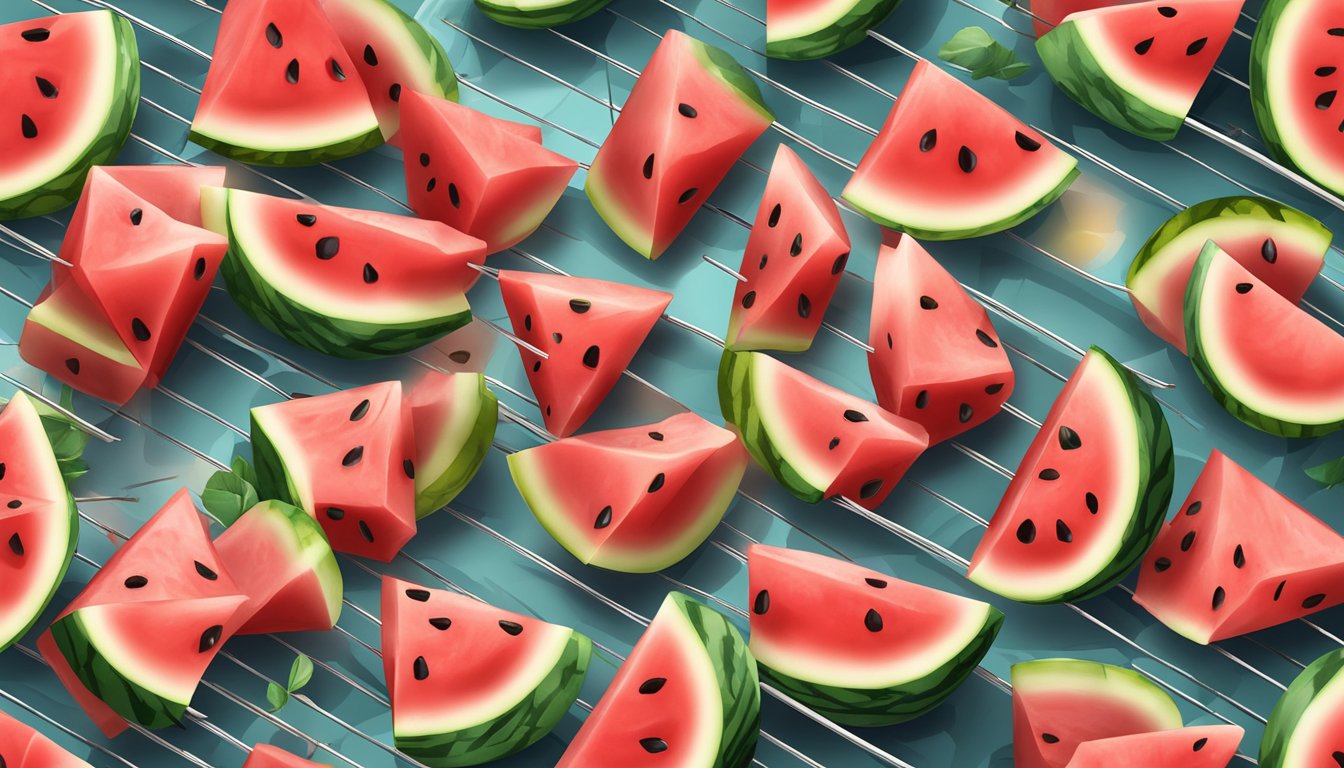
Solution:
(829, 28)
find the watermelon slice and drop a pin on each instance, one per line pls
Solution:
(1306, 728)
(1047, 14)
(1278, 244)
(1209, 746)
(950, 164)
(1089, 496)
(1139, 66)
(662, 489)
(23, 747)
(1267, 361)
(539, 14)
(65, 117)
(508, 678)
(590, 331)
(281, 89)
(816, 440)
(859, 646)
(691, 115)
(793, 262)
(281, 560)
(266, 756)
(937, 359)
(812, 29)
(173, 189)
(453, 416)
(688, 695)
(1239, 558)
(1059, 704)
(344, 281)
(168, 577)
(347, 459)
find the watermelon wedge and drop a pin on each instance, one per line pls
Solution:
(793, 262)
(173, 189)
(266, 756)
(589, 329)
(23, 747)
(688, 695)
(73, 82)
(1047, 14)
(1267, 361)
(1058, 704)
(453, 416)
(1209, 746)
(1278, 244)
(343, 281)
(817, 441)
(1089, 495)
(662, 490)
(950, 164)
(856, 645)
(937, 359)
(539, 14)
(1306, 728)
(510, 677)
(1139, 66)
(691, 115)
(1238, 558)
(281, 89)
(813, 29)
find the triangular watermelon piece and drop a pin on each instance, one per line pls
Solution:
(793, 262)
(1208, 746)
(173, 189)
(662, 489)
(267, 756)
(511, 678)
(1139, 66)
(22, 746)
(1305, 729)
(590, 331)
(454, 416)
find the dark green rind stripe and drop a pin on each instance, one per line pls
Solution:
(849, 30)
(309, 156)
(897, 704)
(1294, 705)
(527, 721)
(723, 66)
(62, 190)
(101, 677)
(272, 477)
(468, 462)
(739, 685)
(72, 520)
(554, 16)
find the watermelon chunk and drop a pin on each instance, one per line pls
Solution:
(1139, 66)
(1278, 244)
(169, 577)
(1089, 495)
(1210, 746)
(688, 694)
(1267, 361)
(1306, 728)
(1047, 14)
(266, 756)
(453, 416)
(662, 490)
(590, 331)
(23, 747)
(510, 677)
(691, 115)
(65, 117)
(937, 359)
(1058, 704)
(813, 29)
(816, 440)
(344, 281)
(793, 262)
(281, 89)
(539, 14)
(347, 459)
(173, 189)
(859, 646)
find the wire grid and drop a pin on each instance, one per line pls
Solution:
(572, 81)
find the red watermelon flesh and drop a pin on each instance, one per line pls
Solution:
(1209, 746)
(1047, 14)
(21, 746)
(938, 360)
(479, 174)
(793, 262)
(173, 189)
(1239, 557)
(590, 330)
(266, 756)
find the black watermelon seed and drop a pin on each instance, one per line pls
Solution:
(292, 71)
(352, 456)
(762, 602)
(15, 504)
(1196, 47)
(46, 88)
(408, 467)
(335, 513)
(748, 299)
(136, 217)
(1049, 474)
(687, 195)
(875, 583)
(964, 415)
(834, 442)
(652, 685)
(839, 265)
(1199, 744)
(135, 582)
(928, 302)
(656, 436)
(557, 337)
(966, 159)
(764, 258)
(394, 93)
(210, 637)
(1062, 532)
(603, 518)
(1278, 591)
(511, 627)
(306, 219)
(648, 167)
(199, 271)
(459, 356)
(2, 470)
(370, 274)
(536, 366)
(657, 483)
(273, 36)
(1161, 564)
(986, 339)
(1026, 532)
(1243, 288)
(16, 544)
(1194, 508)
(854, 416)
(453, 196)
(590, 356)
(872, 620)
(73, 365)
(327, 247)
(1338, 757)
(929, 140)
(1167, 11)
(204, 571)
(1143, 46)
(804, 305)
(139, 328)
(418, 595)
(1026, 142)
(774, 215)
(1269, 251)
(1188, 541)
(28, 126)
(890, 345)
(922, 399)
(441, 623)
(579, 306)
(686, 110)
(431, 184)
(1313, 601)
(1324, 101)
(36, 34)
(527, 322)
(424, 159)
(797, 246)
(1325, 71)
(336, 71)
(1239, 557)
(1333, 32)
(1049, 738)
(1219, 595)
(653, 745)
(420, 668)
(360, 410)
(869, 489)
(994, 389)
(370, 57)
(366, 531)
(1068, 439)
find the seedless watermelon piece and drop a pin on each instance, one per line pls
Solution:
(816, 440)
(662, 489)
(1280, 245)
(691, 115)
(1306, 728)
(173, 189)
(859, 646)
(508, 678)
(589, 329)
(21, 746)
(539, 14)
(1209, 746)
(688, 695)
(266, 756)
(454, 417)
(1089, 495)
(950, 164)
(812, 29)
(1047, 14)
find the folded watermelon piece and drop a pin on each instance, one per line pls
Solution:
(1209, 746)
(688, 690)
(343, 281)
(589, 329)
(861, 647)
(511, 677)
(1304, 730)
(266, 756)
(937, 359)
(662, 490)
(539, 14)
(173, 189)
(1047, 14)
(813, 29)
(1088, 497)
(950, 164)
(817, 441)
(21, 746)
(454, 416)
(793, 262)
(347, 459)
(692, 113)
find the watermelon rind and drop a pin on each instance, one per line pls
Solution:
(276, 479)
(1306, 718)
(1091, 679)
(108, 128)
(829, 27)
(737, 401)
(734, 669)
(539, 14)
(461, 448)
(308, 547)
(321, 149)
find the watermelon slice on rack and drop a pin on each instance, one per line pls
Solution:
(21, 746)
(1209, 746)
(454, 416)
(813, 29)
(539, 14)
(1304, 728)
(266, 756)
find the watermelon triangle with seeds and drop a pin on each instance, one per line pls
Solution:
(173, 189)
(1209, 746)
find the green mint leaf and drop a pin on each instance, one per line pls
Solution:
(244, 470)
(67, 439)
(976, 51)
(277, 696)
(1329, 474)
(227, 496)
(300, 672)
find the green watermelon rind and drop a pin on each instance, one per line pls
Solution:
(739, 684)
(544, 16)
(273, 479)
(430, 50)
(470, 457)
(72, 520)
(845, 32)
(1294, 705)
(125, 697)
(521, 726)
(337, 150)
(723, 66)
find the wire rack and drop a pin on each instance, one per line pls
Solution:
(572, 81)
